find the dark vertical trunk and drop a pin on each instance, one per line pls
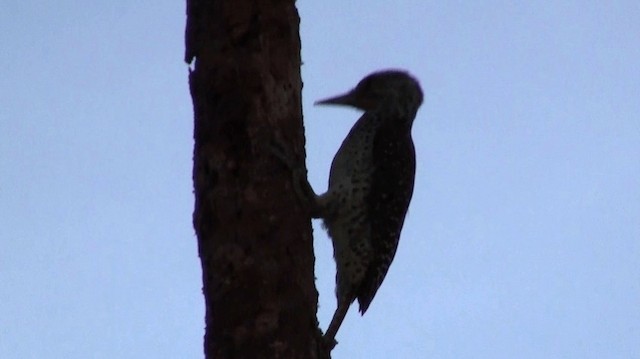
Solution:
(255, 243)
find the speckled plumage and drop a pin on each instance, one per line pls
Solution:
(370, 186)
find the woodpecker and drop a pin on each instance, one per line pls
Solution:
(370, 187)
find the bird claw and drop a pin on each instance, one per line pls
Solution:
(280, 150)
(301, 185)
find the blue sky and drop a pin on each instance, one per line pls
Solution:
(522, 240)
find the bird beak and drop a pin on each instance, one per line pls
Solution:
(347, 99)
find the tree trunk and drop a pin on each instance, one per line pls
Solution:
(254, 240)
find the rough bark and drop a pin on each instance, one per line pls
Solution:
(254, 241)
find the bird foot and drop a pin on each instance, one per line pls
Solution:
(282, 152)
(301, 186)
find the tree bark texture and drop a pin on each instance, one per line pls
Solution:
(254, 240)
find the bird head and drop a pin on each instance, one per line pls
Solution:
(380, 87)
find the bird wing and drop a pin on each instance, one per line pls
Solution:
(388, 200)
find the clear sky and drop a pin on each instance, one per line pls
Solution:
(522, 240)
